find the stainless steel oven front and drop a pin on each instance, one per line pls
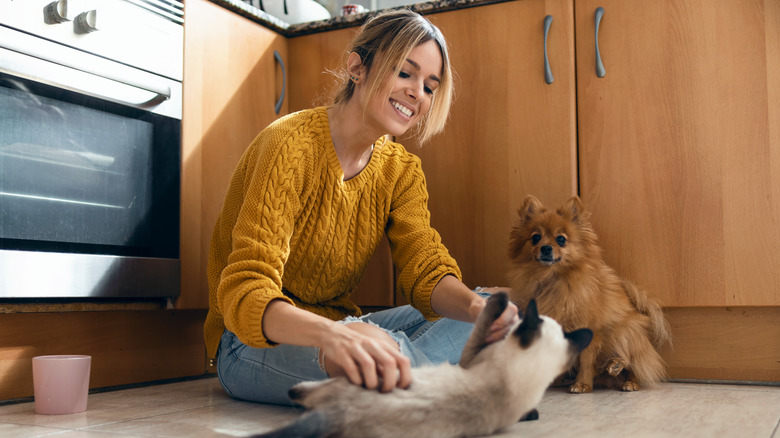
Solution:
(90, 122)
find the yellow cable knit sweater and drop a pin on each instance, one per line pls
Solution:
(292, 229)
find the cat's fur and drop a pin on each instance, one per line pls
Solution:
(492, 388)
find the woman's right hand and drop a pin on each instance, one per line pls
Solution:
(366, 355)
(363, 353)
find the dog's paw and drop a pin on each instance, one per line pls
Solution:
(630, 386)
(580, 388)
(616, 366)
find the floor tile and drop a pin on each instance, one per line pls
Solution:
(671, 410)
(26, 431)
(200, 408)
(230, 419)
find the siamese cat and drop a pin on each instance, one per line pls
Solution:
(493, 387)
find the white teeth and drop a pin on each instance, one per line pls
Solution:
(406, 111)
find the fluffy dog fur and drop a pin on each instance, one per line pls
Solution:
(556, 260)
(492, 388)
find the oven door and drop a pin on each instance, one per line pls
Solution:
(89, 176)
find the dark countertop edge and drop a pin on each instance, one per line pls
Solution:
(341, 22)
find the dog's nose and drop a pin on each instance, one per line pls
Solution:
(547, 250)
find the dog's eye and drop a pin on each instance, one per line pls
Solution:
(561, 241)
(536, 238)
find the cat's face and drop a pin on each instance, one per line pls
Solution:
(563, 347)
(543, 340)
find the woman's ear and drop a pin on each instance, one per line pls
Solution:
(355, 68)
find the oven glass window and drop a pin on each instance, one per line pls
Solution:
(78, 174)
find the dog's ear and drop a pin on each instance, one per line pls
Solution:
(531, 207)
(579, 339)
(573, 210)
(528, 330)
(496, 304)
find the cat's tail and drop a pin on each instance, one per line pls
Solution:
(660, 332)
(311, 424)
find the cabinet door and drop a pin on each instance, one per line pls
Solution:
(231, 84)
(510, 134)
(680, 146)
(313, 59)
(679, 161)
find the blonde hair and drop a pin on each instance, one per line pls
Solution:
(383, 44)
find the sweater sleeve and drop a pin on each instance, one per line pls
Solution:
(418, 253)
(257, 220)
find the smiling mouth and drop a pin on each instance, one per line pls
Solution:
(406, 111)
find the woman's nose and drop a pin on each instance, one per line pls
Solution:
(415, 91)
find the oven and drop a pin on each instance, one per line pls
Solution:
(90, 148)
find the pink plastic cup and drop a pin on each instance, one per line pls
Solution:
(61, 383)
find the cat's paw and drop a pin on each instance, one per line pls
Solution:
(532, 415)
(580, 388)
(630, 386)
(616, 366)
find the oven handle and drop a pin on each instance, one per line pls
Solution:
(43, 52)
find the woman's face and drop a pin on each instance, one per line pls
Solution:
(409, 95)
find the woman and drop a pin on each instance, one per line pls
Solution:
(306, 208)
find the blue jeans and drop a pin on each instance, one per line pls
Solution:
(266, 374)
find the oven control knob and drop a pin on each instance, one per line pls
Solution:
(86, 22)
(56, 12)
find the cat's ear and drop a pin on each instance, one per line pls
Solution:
(496, 304)
(579, 339)
(528, 330)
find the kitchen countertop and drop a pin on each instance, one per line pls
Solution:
(293, 30)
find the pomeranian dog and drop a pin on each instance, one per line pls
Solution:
(556, 260)
(492, 387)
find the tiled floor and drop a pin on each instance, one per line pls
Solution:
(199, 408)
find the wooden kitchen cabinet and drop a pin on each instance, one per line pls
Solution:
(231, 84)
(680, 146)
(314, 60)
(510, 133)
(679, 157)
(675, 151)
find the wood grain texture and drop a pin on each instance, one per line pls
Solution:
(313, 60)
(126, 346)
(231, 82)
(509, 135)
(679, 146)
(731, 343)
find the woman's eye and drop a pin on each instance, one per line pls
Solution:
(536, 238)
(403, 74)
(428, 90)
(561, 241)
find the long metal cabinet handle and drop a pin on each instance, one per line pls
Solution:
(49, 53)
(548, 76)
(600, 72)
(278, 105)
